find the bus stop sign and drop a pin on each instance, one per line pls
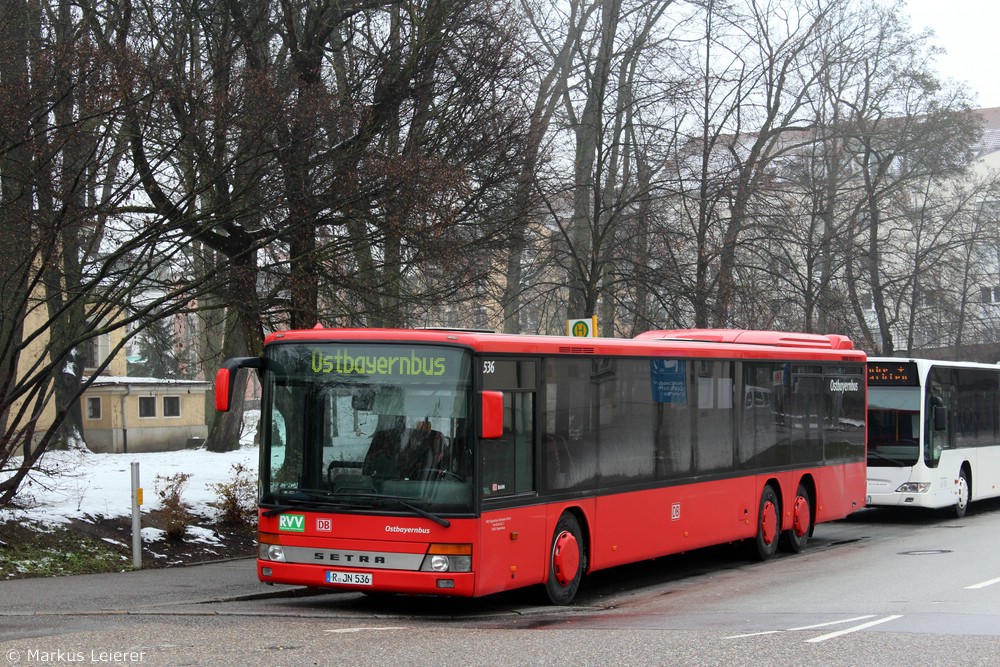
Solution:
(583, 328)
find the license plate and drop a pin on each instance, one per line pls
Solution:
(356, 578)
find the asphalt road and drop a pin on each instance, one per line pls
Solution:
(878, 588)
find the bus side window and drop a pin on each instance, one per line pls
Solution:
(559, 460)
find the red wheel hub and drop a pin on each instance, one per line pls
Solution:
(565, 558)
(769, 522)
(800, 516)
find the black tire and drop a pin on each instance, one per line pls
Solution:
(567, 560)
(768, 524)
(796, 538)
(964, 494)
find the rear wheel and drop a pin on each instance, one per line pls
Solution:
(796, 538)
(964, 492)
(567, 560)
(768, 524)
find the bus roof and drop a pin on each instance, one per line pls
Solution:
(749, 337)
(924, 362)
(704, 343)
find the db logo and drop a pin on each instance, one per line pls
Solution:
(324, 525)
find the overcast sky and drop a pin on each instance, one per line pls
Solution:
(969, 30)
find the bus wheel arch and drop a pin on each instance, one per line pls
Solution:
(768, 521)
(568, 558)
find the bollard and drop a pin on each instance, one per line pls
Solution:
(136, 527)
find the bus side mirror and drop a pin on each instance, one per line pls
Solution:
(225, 379)
(940, 418)
(491, 412)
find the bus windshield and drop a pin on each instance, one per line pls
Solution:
(893, 426)
(367, 427)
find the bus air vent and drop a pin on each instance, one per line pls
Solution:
(457, 330)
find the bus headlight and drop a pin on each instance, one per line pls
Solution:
(271, 552)
(448, 558)
(441, 563)
(914, 487)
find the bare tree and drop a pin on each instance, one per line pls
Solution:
(558, 35)
(17, 249)
(77, 267)
(608, 91)
(905, 133)
(751, 111)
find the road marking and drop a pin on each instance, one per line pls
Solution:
(983, 584)
(823, 625)
(804, 627)
(347, 630)
(845, 631)
(755, 634)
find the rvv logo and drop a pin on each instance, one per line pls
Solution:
(292, 523)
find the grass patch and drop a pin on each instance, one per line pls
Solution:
(42, 551)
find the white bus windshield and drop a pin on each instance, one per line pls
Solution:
(893, 426)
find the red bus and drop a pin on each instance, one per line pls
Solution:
(468, 463)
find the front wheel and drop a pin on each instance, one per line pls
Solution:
(768, 524)
(567, 560)
(964, 493)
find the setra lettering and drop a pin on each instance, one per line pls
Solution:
(357, 559)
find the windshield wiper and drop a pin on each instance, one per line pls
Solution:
(312, 501)
(422, 512)
(416, 509)
(302, 502)
(891, 460)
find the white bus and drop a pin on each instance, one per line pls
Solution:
(933, 433)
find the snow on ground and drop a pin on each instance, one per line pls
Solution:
(77, 484)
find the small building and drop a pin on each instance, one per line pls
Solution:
(126, 414)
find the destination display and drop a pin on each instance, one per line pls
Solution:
(346, 362)
(894, 374)
(399, 363)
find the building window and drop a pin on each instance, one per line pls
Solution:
(147, 407)
(989, 294)
(171, 406)
(96, 350)
(930, 297)
(93, 407)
